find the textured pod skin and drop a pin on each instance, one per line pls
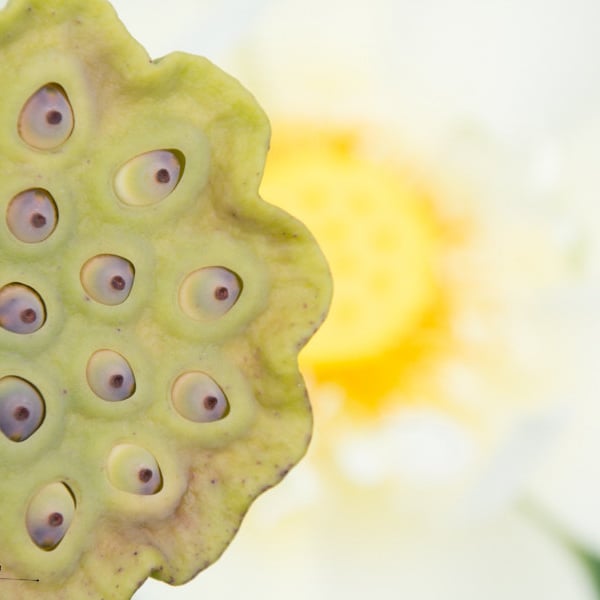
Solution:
(123, 106)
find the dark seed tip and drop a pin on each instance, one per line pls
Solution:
(163, 176)
(55, 520)
(28, 315)
(53, 117)
(117, 283)
(210, 402)
(116, 381)
(145, 475)
(21, 413)
(221, 293)
(38, 220)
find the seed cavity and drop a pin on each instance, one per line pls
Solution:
(149, 178)
(22, 309)
(108, 278)
(209, 293)
(32, 216)
(50, 514)
(22, 408)
(197, 397)
(110, 376)
(133, 469)
(46, 120)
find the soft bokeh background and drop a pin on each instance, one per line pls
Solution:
(445, 154)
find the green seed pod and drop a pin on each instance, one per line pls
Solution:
(155, 298)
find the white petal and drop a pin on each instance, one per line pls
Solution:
(360, 548)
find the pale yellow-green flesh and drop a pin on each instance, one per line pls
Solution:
(125, 105)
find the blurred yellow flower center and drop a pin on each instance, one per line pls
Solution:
(378, 231)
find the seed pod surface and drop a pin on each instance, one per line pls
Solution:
(151, 309)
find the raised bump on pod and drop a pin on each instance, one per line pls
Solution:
(110, 376)
(22, 309)
(150, 177)
(197, 397)
(46, 120)
(50, 514)
(22, 408)
(32, 215)
(209, 293)
(134, 470)
(107, 278)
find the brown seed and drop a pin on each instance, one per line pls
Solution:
(116, 381)
(117, 283)
(38, 220)
(53, 117)
(163, 176)
(28, 316)
(221, 293)
(210, 402)
(55, 520)
(145, 475)
(21, 413)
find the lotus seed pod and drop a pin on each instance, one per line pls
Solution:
(152, 309)
(21, 408)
